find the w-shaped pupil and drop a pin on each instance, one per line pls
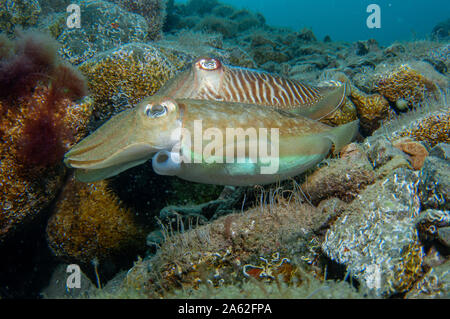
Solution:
(156, 111)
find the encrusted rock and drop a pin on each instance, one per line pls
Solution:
(209, 210)
(416, 151)
(343, 178)
(188, 45)
(306, 35)
(90, 225)
(442, 30)
(442, 150)
(26, 190)
(429, 124)
(376, 238)
(154, 12)
(345, 114)
(20, 13)
(267, 53)
(223, 10)
(444, 236)
(434, 225)
(434, 183)
(431, 128)
(240, 58)
(105, 26)
(371, 109)
(218, 252)
(413, 82)
(57, 284)
(394, 50)
(247, 20)
(228, 28)
(330, 210)
(439, 58)
(120, 77)
(380, 150)
(434, 284)
(364, 47)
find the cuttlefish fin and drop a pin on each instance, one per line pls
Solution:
(342, 135)
(308, 150)
(333, 99)
(93, 175)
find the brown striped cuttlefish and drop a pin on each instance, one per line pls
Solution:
(207, 141)
(209, 79)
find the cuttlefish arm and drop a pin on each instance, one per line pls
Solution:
(209, 79)
(93, 175)
(107, 151)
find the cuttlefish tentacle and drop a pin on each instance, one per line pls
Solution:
(209, 79)
(154, 127)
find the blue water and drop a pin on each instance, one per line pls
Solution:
(346, 19)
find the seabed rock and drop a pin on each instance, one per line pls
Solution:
(105, 26)
(376, 238)
(434, 183)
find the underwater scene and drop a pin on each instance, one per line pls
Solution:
(164, 149)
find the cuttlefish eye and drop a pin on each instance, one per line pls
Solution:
(209, 64)
(156, 110)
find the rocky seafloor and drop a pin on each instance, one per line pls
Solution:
(372, 222)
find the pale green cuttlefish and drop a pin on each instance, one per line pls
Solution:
(193, 139)
(209, 79)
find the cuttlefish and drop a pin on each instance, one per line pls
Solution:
(209, 79)
(208, 142)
